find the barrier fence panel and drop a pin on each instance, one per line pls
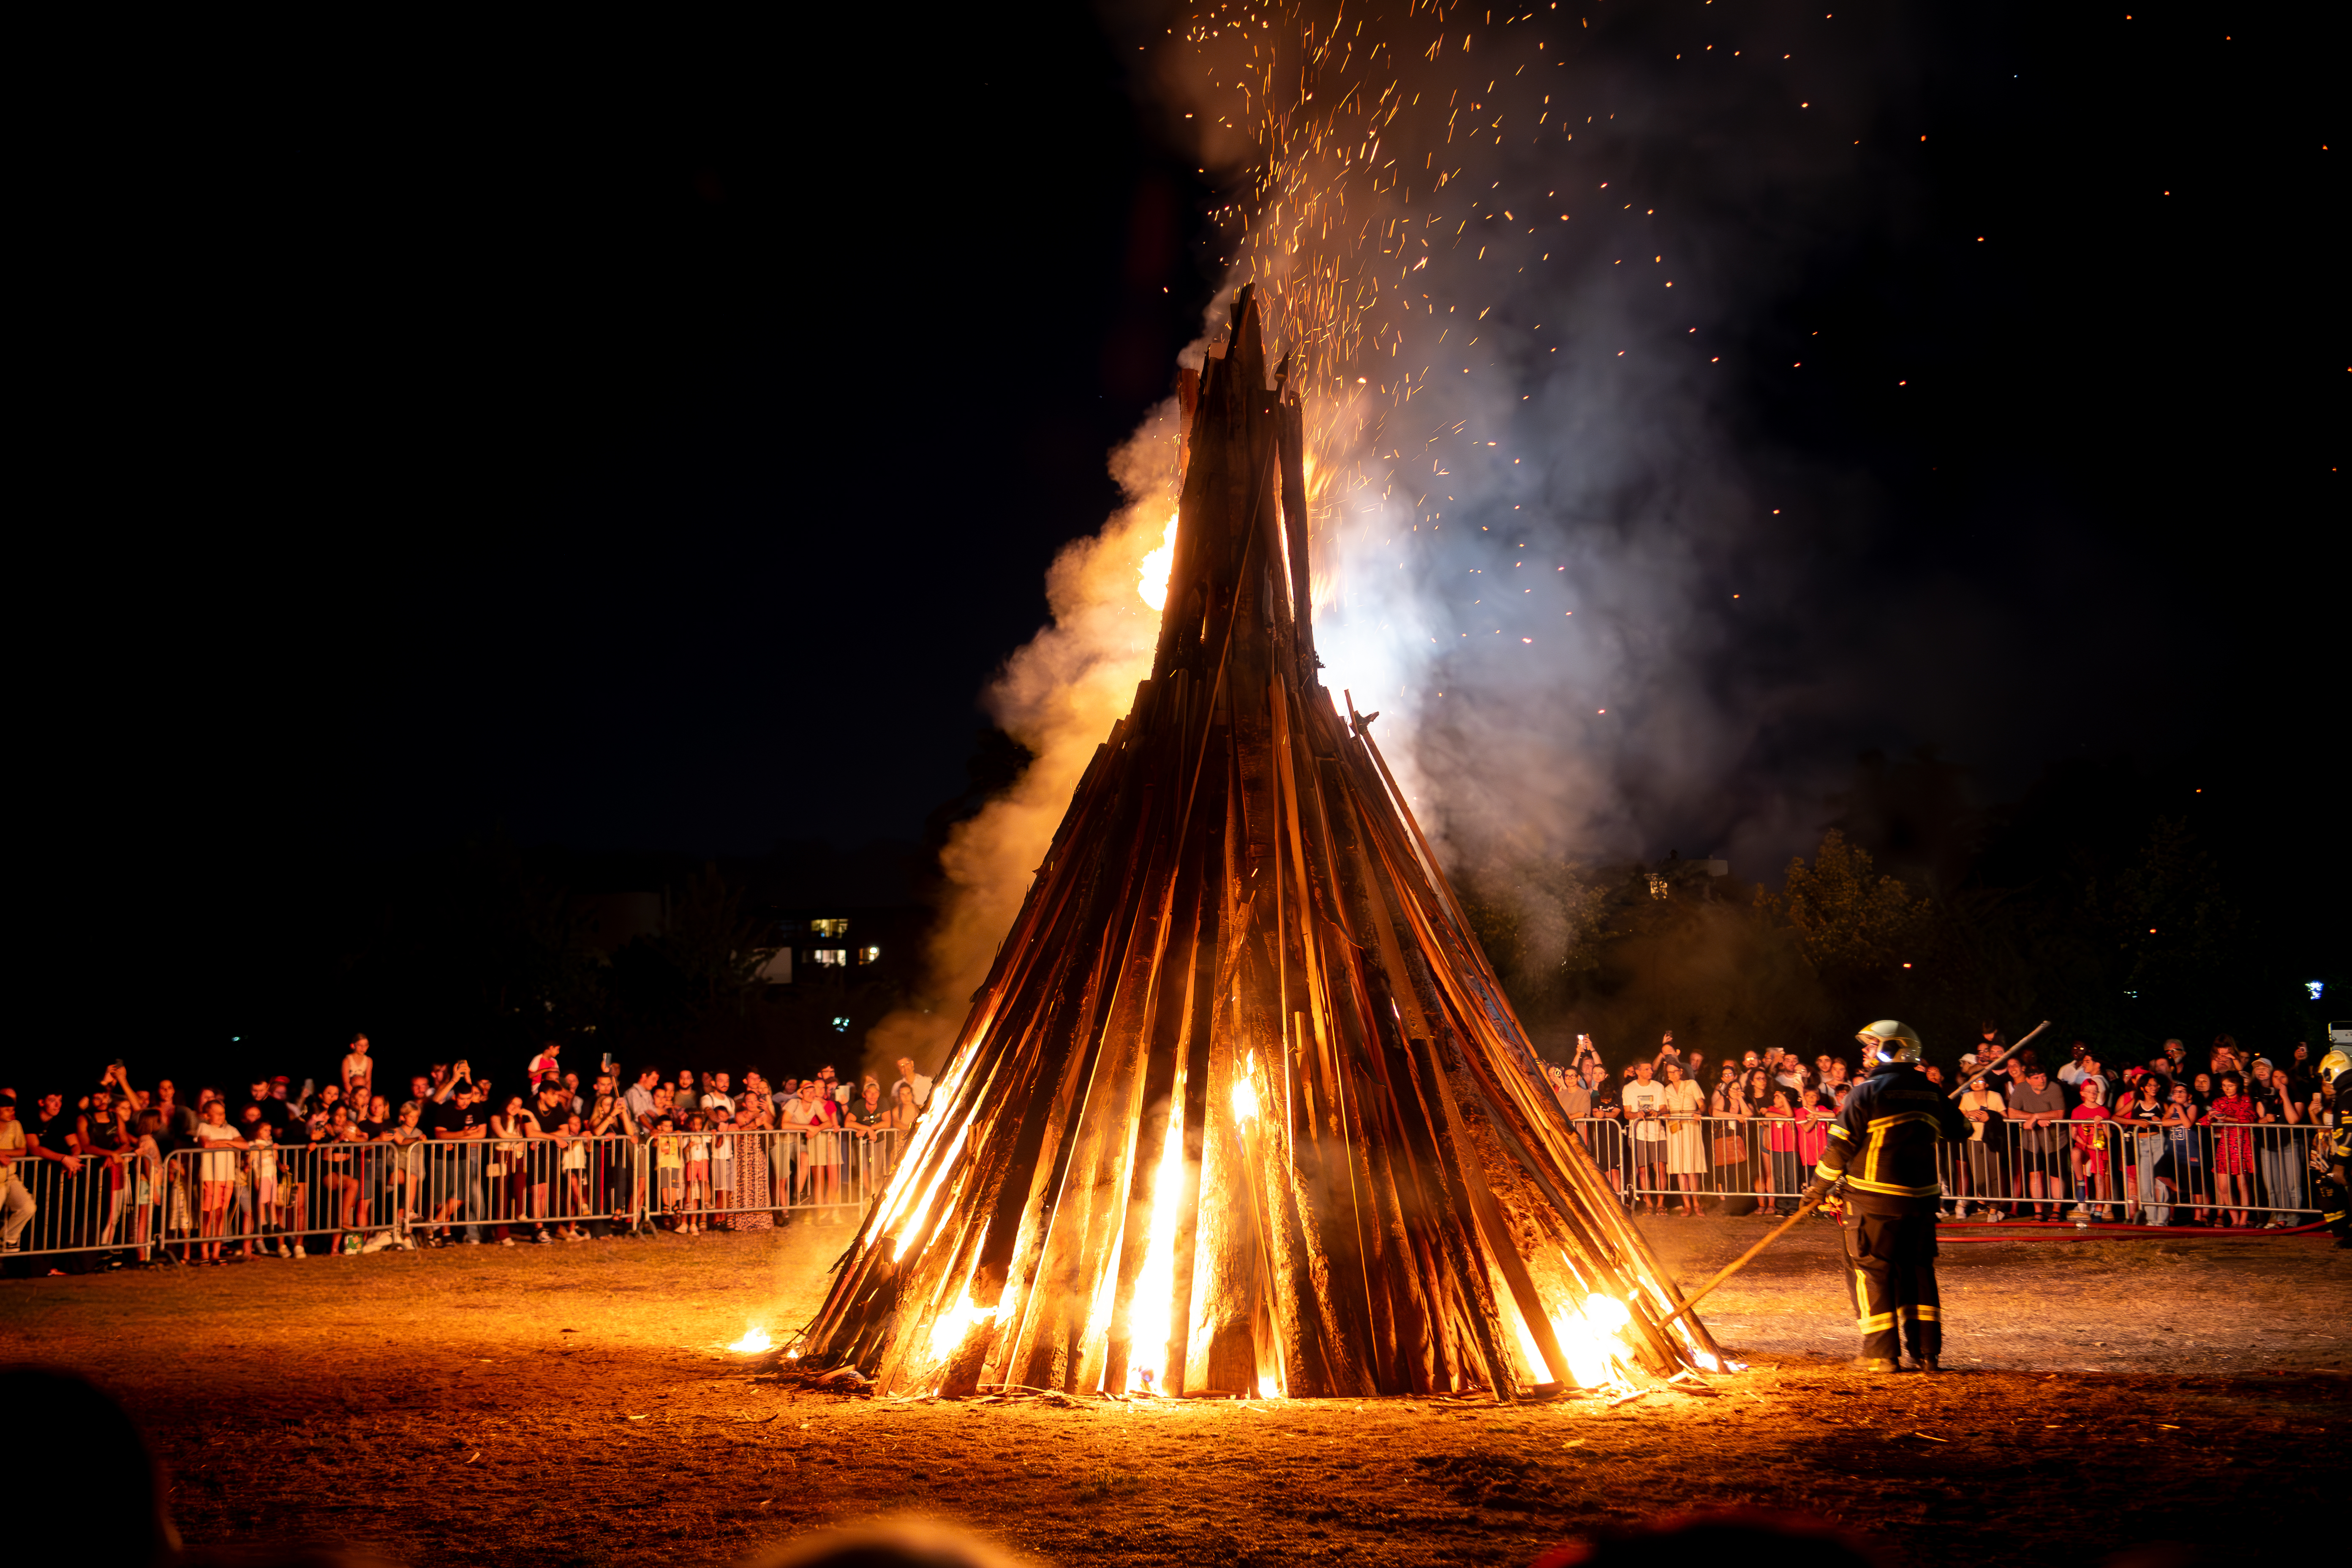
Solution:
(747, 1180)
(102, 1207)
(279, 1198)
(2150, 1173)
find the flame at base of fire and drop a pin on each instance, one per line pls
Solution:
(1150, 1323)
(951, 1326)
(754, 1341)
(1588, 1336)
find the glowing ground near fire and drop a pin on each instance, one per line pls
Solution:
(587, 1401)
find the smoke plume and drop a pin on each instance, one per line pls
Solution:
(1513, 252)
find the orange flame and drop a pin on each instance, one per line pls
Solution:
(755, 1339)
(1154, 569)
(1150, 1323)
(951, 1326)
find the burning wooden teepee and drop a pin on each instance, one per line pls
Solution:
(1242, 1106)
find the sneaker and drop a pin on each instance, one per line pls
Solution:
(1874, 1365)
(1961, 1211)
(298, 1252)
(506, 1241)
(542, 1239)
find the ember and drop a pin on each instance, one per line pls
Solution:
(1241, 1107)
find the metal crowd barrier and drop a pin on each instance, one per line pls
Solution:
(275, 1198)
(734, 1180)
(2116, 1170)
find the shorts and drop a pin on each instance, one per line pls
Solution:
(2040, 1162)
(1649, 1152)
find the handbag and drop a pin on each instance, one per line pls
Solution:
(1731, 1150)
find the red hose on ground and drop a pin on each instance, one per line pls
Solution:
(2124, 1232)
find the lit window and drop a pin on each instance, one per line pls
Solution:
(829, 957)
(829, 928)
(868, 955)
(841, 1025)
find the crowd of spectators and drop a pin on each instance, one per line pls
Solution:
(361, 1161)
(2163, 1141)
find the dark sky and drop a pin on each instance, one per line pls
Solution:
(636, 442)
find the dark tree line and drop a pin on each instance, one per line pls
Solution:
(2094, 902)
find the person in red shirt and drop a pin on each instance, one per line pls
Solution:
(2093, 1139)
(2233, 1147)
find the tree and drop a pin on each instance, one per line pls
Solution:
(1850, 926)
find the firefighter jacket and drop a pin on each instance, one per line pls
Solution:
(1884, 1142)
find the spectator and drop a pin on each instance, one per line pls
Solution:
(835, 1090)
(697, 1205)
(669, 1170)
(2151, 1186)
(458, 1126)
(716, 1100)
(753, 1205)
(1667, 1052)
(219, 1140)
(338, 1163)
(1980, 1169)
(2234, 1156)
(16, 1205)
(1604, 1134)
(1814, 1119)
(2091, 1140)
(917, 1081)
(821, 1156)
(2177, 1054)
(1644, 1101)
(519, 1193)
(1780, 1143)
(2283, 1154)
(1790, 1074)
(2186, 1149)
(640, 1096)
(357, 1071)
(2070, 1074)
(1576, 1092)
(573, 1103)
(405, 1138)
(573, 1198)
(723, 1163)
(546, 1064)
(2035, 1105)
(2095, 1072)
(1728, 1136)
(904, 1107)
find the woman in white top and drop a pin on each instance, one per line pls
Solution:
(822, 1161)
(1686, 1135)
(1979, 1172)
(219, 1140)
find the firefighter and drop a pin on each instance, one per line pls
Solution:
(2335, 1190)
(1881, 1148)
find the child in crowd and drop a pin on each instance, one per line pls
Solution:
(669, 1168)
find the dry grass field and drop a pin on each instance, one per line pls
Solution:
(573, 1405)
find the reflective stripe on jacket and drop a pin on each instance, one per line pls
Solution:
(1884, 1142)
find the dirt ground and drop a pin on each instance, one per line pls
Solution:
(572, 1404)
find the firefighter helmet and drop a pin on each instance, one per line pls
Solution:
(1888, 1041)
(2336, 1062)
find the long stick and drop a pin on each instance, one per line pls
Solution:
(1736, 1264)
(1985, 1069)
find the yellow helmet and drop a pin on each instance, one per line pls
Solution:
(2338, 1060)
(1888, 1041)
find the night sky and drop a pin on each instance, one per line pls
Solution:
(655, 442)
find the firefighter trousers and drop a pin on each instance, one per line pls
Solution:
(1891, 1276)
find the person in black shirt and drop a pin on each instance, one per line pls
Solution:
(458, 1125)
(274, 1111)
